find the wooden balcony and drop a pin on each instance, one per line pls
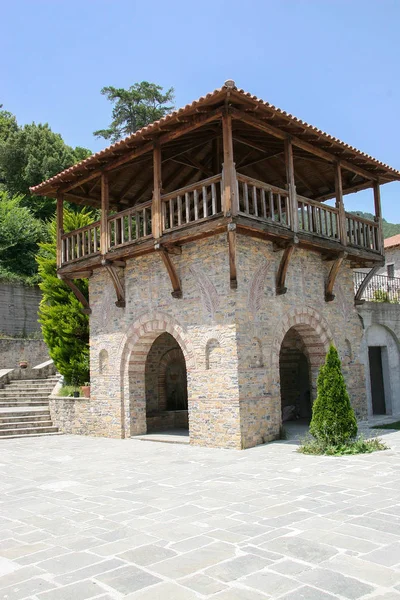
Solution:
(196, 209)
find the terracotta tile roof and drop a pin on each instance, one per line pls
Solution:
(101, 158)
(392, 241)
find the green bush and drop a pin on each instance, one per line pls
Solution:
(333, 420)
(64, 326)
(357, 446)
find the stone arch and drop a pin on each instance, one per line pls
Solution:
(380, 335)
(135, 348)
(311, 325)
(314, 336)
(103, 361)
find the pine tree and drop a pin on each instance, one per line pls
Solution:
(64, 326)
(333, 420)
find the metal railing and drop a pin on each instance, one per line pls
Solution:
(380, 288)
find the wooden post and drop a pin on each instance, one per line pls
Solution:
(294, 214)
(105, 203)
(229, 180)
(60, 228)
(339, 204)
(156, 205)
(378, 215)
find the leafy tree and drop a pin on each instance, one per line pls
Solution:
(333, 419)
(64, 326)
(135, 108)
(8, 124)
(20, 233)
(31, 154)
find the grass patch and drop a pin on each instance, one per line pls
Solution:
(68, 390)
(357, 446)
(395, 425)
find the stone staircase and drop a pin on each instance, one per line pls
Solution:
(24, 408)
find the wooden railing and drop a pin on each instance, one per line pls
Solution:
(130, 225)
(362, 233)
(318, 219)
(204, 200)
(192, 204)
(263, 201)
(81, 243)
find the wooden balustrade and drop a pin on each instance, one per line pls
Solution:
(191, 204)
(263, 201)
(81, 243)
(203, 200)
(362, 233)
(317, 218)
(130, 225)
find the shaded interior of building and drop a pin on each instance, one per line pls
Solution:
(166, 386)
(294, 371)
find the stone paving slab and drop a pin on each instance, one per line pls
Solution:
(122, 519)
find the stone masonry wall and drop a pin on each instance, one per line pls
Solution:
(230, 338)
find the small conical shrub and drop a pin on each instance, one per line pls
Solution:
(333, 420)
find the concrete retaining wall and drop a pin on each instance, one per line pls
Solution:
(18, 309)
(12, 351)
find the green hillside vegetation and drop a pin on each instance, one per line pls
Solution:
(389, 229)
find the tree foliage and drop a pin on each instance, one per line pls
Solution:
(64, 326)
(20, 233)
(333, 420)
(135, 108)
(31, 154)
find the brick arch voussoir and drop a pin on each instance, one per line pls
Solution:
(141, 335)
(316, 325)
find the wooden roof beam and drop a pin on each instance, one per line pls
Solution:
(278, 133)
(164, 138)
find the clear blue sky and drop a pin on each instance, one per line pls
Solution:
(333, 63)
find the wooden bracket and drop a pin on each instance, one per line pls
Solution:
(329, 295)
(177, 250)
(78, 294)
(283, 267)
(119, 288)
(364, 283)
(173, 275)
(232, 255)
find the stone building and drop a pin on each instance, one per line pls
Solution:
(218, 274)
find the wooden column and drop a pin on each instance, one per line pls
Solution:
(294, 214)
(60, 228)
(378, 215)
(230, 204)
(157, 186)
(105, 205)
(339, 204)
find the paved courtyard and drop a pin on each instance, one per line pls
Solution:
(99, 518)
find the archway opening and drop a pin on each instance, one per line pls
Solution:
(297, 375)
(166, 386)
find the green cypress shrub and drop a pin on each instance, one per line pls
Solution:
(64, 326)
(333, 420)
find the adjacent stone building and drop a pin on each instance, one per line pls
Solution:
(220, 278)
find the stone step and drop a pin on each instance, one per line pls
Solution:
(26, 424)
(32, 387)
(28, 435)
(11, 403)
(29, 412)
(28, 430)
(30, 381)
(16, 393)
(25, 419)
